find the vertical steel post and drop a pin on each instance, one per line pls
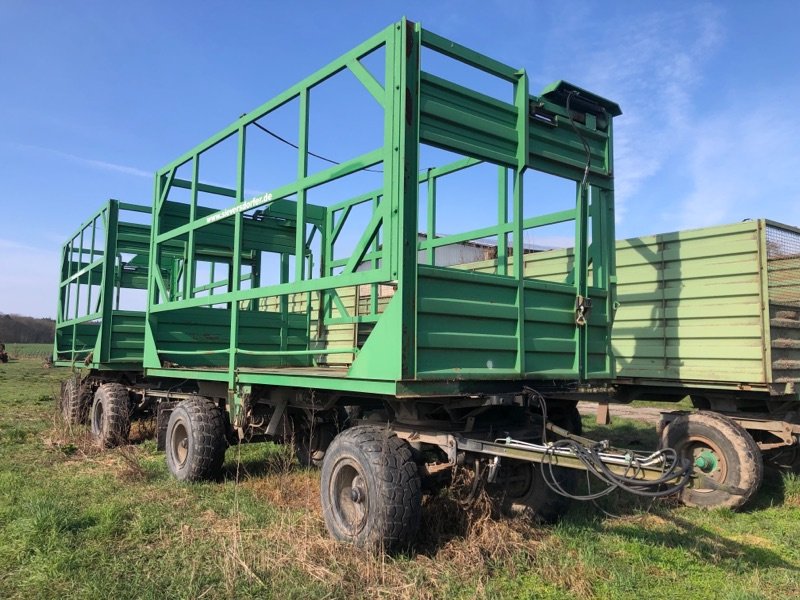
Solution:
(376, 246)
(89, 273)
(521, 102)
(78, 279)
(502, 220)
(406, 159)
(108, 283)
(302, 172)
(580, 270)
(431, 234)
(235, 279)
(189, 278)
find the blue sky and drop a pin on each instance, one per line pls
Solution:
(97, 95)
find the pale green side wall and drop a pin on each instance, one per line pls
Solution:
(691, 306)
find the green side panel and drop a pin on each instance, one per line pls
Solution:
(462, 120)
(466, 324)
(465, 121)
(468, 327)
(379, 358)
(691, 306)
(269, 234)
(551, 342)
(600, 362)
(127, 336)
(550, 331)
(554, 265)
(555, 149)
(199, 337)
(342, 330)
(151, 359)
(84, 336)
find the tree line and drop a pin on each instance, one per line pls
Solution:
(16, 329)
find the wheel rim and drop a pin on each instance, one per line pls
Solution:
(707, 457)
(350, 498)
(97, 422)
(180, 444)
(518, 481)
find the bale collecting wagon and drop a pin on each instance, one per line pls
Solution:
(305, 307)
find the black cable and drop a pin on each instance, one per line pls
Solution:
(583, 140)
(533, 394)
(595, 466)
(475, 486)
(293, 145)
(590, 457)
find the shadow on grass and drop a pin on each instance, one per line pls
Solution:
(676, 532)
(656, 524)
(638, 521)
(780, 486)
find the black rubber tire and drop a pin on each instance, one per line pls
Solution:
(110, 417)
(521, 486)
(740, 464)
(75, 401)
(370, 489)
(196, 440)
(310, 444)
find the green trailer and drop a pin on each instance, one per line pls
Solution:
(260, 319)
(714, 314)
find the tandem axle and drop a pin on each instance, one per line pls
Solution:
(525, 451)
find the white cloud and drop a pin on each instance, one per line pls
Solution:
(648, 61)
(90, 162)
(650, 66)
(743, 164)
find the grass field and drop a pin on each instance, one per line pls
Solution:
(80, 523)
(29, 350)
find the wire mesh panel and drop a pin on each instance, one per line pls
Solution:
(783, 265)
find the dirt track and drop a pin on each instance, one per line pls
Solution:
(624, 411)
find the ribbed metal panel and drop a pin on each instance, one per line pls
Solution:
(691, 306)
(259, 331)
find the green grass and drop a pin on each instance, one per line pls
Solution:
(79, 523)
(29, 350)
(683, 404)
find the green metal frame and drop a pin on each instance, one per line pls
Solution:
(418, 329)
(90, 327)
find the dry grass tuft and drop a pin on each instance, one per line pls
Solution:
(75, 442)
(461, 545)
(302, 546)
(132, 469)
(458, 545)
(142, 430)
(297, 490)
(71, 441)
(791, 489)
